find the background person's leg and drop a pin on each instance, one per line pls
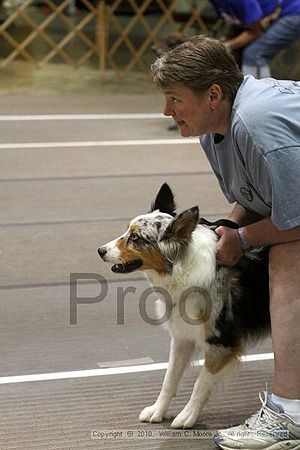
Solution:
(258, 55)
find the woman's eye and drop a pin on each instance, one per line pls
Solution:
(175, 100)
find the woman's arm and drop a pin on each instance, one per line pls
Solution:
(261, 233)
(243, 216)
(264, 233)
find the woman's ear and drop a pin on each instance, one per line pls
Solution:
(215, 94)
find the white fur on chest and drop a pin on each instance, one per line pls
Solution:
(183, 325)
(189, 290)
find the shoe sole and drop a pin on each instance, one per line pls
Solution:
(283, 445)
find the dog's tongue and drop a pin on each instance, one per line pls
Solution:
(127, 267)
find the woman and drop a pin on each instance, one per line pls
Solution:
(250, 132)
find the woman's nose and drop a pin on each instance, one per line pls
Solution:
(168, 109)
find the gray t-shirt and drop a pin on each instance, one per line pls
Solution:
(257, 163)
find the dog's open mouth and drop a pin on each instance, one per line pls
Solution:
(126, 267)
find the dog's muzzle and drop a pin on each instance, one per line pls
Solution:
(124, 267)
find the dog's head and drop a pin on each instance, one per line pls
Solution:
(153, 241)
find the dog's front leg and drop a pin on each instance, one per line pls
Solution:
(180, 355)
(217, 368)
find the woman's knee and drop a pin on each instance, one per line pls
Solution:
(284, 261)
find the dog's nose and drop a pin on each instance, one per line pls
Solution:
(102, 252)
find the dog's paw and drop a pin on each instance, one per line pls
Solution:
(152, 414)
(186, 418)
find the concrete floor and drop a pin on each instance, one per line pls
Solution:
(59, 202)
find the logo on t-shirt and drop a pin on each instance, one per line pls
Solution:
(286, 87)
(247, 193)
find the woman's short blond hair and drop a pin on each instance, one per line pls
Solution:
(198, 63)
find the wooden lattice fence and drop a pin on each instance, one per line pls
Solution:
(119, 33)
(116, 34)
(25, 25)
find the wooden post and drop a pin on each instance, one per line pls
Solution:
(101, 33)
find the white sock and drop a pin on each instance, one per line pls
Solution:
(291, 407)
(250, 70)
(264, 72)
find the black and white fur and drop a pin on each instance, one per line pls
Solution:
(228, 306)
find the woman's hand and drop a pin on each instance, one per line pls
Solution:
(229, 250)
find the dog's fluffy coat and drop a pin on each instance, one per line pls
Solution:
(215, 309)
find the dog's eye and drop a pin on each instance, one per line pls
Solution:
(135, 237)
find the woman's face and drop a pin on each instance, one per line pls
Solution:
(192, 112)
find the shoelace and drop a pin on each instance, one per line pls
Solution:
(263, 416)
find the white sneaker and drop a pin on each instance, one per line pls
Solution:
(269, 429)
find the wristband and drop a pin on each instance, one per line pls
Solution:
(243, 241)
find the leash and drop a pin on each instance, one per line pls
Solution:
(218, 223)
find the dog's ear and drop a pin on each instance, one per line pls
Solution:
(164, 201)
(182, 226)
